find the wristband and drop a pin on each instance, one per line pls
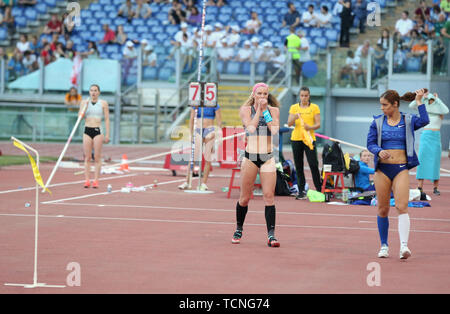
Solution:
(267, 116)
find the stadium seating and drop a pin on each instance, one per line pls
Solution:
(159, 33)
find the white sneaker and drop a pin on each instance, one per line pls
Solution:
(405, 252)
(384, 251)
(203, 187)
(184, 186)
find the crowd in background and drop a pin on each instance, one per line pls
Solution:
(429, 22)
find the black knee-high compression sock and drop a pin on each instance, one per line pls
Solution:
(241, 211)
(270, 219)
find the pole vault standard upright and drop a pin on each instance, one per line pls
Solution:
(201, 95)
(195, 104)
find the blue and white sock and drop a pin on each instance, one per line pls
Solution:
(383, 229)
(404, 225)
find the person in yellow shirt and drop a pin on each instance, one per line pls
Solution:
(305, 116)
(72, 101)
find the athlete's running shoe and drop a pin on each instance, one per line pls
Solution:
(87, 184)
(384, 251)
(184, 186)
(405, 252)
(203, 187)
(95, 184)
(273, 242)
(237, 237)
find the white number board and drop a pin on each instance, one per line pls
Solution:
(210, 95)
(194, 94)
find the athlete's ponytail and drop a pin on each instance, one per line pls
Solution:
(392, 96)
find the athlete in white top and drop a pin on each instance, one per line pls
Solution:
(92, 137)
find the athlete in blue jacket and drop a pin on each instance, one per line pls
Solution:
(391, 140)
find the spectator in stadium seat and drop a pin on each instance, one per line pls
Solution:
(211, 3)
(69, 50)
(209, 41)
(309, 18)
(109, 37)
(55, 40)
(54, 26)
(245, 53)
(421, 27)
(129, 54)
(420, 50)
(23, 44)
(324, 17)
(252, 25)
(29, 61)
(414, 39)
(292, 17)
(8, 20)
(404, 26)
(352, 68)
(68, 25)
(142, 10)
(219, 33)
(176, 14)
(187, 52)
(126, 10)
(46, 53)
(34, 45)
(276, 63)
(92, 52)
(225, 53)
(257, 50)
(15, 66)
(179, 35)
(422, 10)
(234, 38)
(400, 51)
(360, 11)
(436, 13)
(121, 36)
(364, 50)
(384, 39)
(59, 51)
(150, 57)
(380, 61)
(267, 52)
(195, 18)
(304, 48)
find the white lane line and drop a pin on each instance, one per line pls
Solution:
(69, 183)
(233, 210)
(105, 193)
(212, 223)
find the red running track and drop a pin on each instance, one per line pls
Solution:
(164, 240)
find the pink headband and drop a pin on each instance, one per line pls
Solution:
(259, 85)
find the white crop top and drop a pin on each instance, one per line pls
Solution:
(94, 110)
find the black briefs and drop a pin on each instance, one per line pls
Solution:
(92, 132)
